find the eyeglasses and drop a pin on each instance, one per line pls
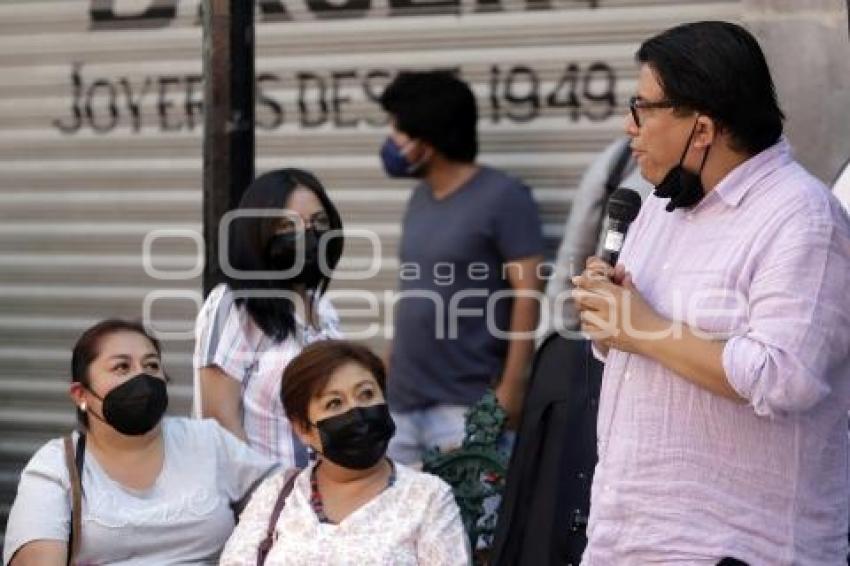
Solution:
(319, 221)
(637, 103)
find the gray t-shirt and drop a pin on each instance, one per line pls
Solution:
(447, 347)
(185, 517)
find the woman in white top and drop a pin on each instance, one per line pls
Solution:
(284, 241)
(352, 505)
(153, 491)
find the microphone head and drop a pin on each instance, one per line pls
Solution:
(624, 205)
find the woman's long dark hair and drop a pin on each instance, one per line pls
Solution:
(248, 243)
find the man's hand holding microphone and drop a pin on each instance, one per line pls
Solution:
(611, 310)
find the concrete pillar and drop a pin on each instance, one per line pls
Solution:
(808, 49)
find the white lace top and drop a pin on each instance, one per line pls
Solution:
(414, 521)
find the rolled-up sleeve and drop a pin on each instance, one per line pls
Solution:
(798, 320)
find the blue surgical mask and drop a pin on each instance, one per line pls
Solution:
(396, 163)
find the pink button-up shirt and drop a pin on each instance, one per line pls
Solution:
(686, 476)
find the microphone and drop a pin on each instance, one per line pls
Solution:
(623, 208)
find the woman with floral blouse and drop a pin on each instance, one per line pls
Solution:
(351, 505)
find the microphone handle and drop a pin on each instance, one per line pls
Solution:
(615, 235)
(610, 257)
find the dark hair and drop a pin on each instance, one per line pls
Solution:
(249, 238)
(437, 107)
(87, 349)
(719, 70)
(308, 374)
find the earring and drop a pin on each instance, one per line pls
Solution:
(83, 406)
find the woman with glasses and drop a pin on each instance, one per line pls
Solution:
(284, 241)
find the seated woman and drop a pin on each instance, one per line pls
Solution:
(153, 490)
(352, 505)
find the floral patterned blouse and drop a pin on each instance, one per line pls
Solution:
(414, 521)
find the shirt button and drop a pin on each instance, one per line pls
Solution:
(666, 265)
(628, 375)
(690, 217)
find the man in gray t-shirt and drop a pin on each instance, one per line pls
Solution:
(470, 251)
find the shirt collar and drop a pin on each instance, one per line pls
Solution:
(735, 185)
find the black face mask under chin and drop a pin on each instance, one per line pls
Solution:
(682, 187)
(282, 252)
(136, 406)
(358, 438)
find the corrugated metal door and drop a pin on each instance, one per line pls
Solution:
(100, 150)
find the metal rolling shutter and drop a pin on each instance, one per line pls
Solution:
(76, 204)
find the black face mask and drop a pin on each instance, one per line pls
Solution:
(683, 188)
(282, 252)
(136, 406)
(357, 439)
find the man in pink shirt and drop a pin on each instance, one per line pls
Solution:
(725, 329)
